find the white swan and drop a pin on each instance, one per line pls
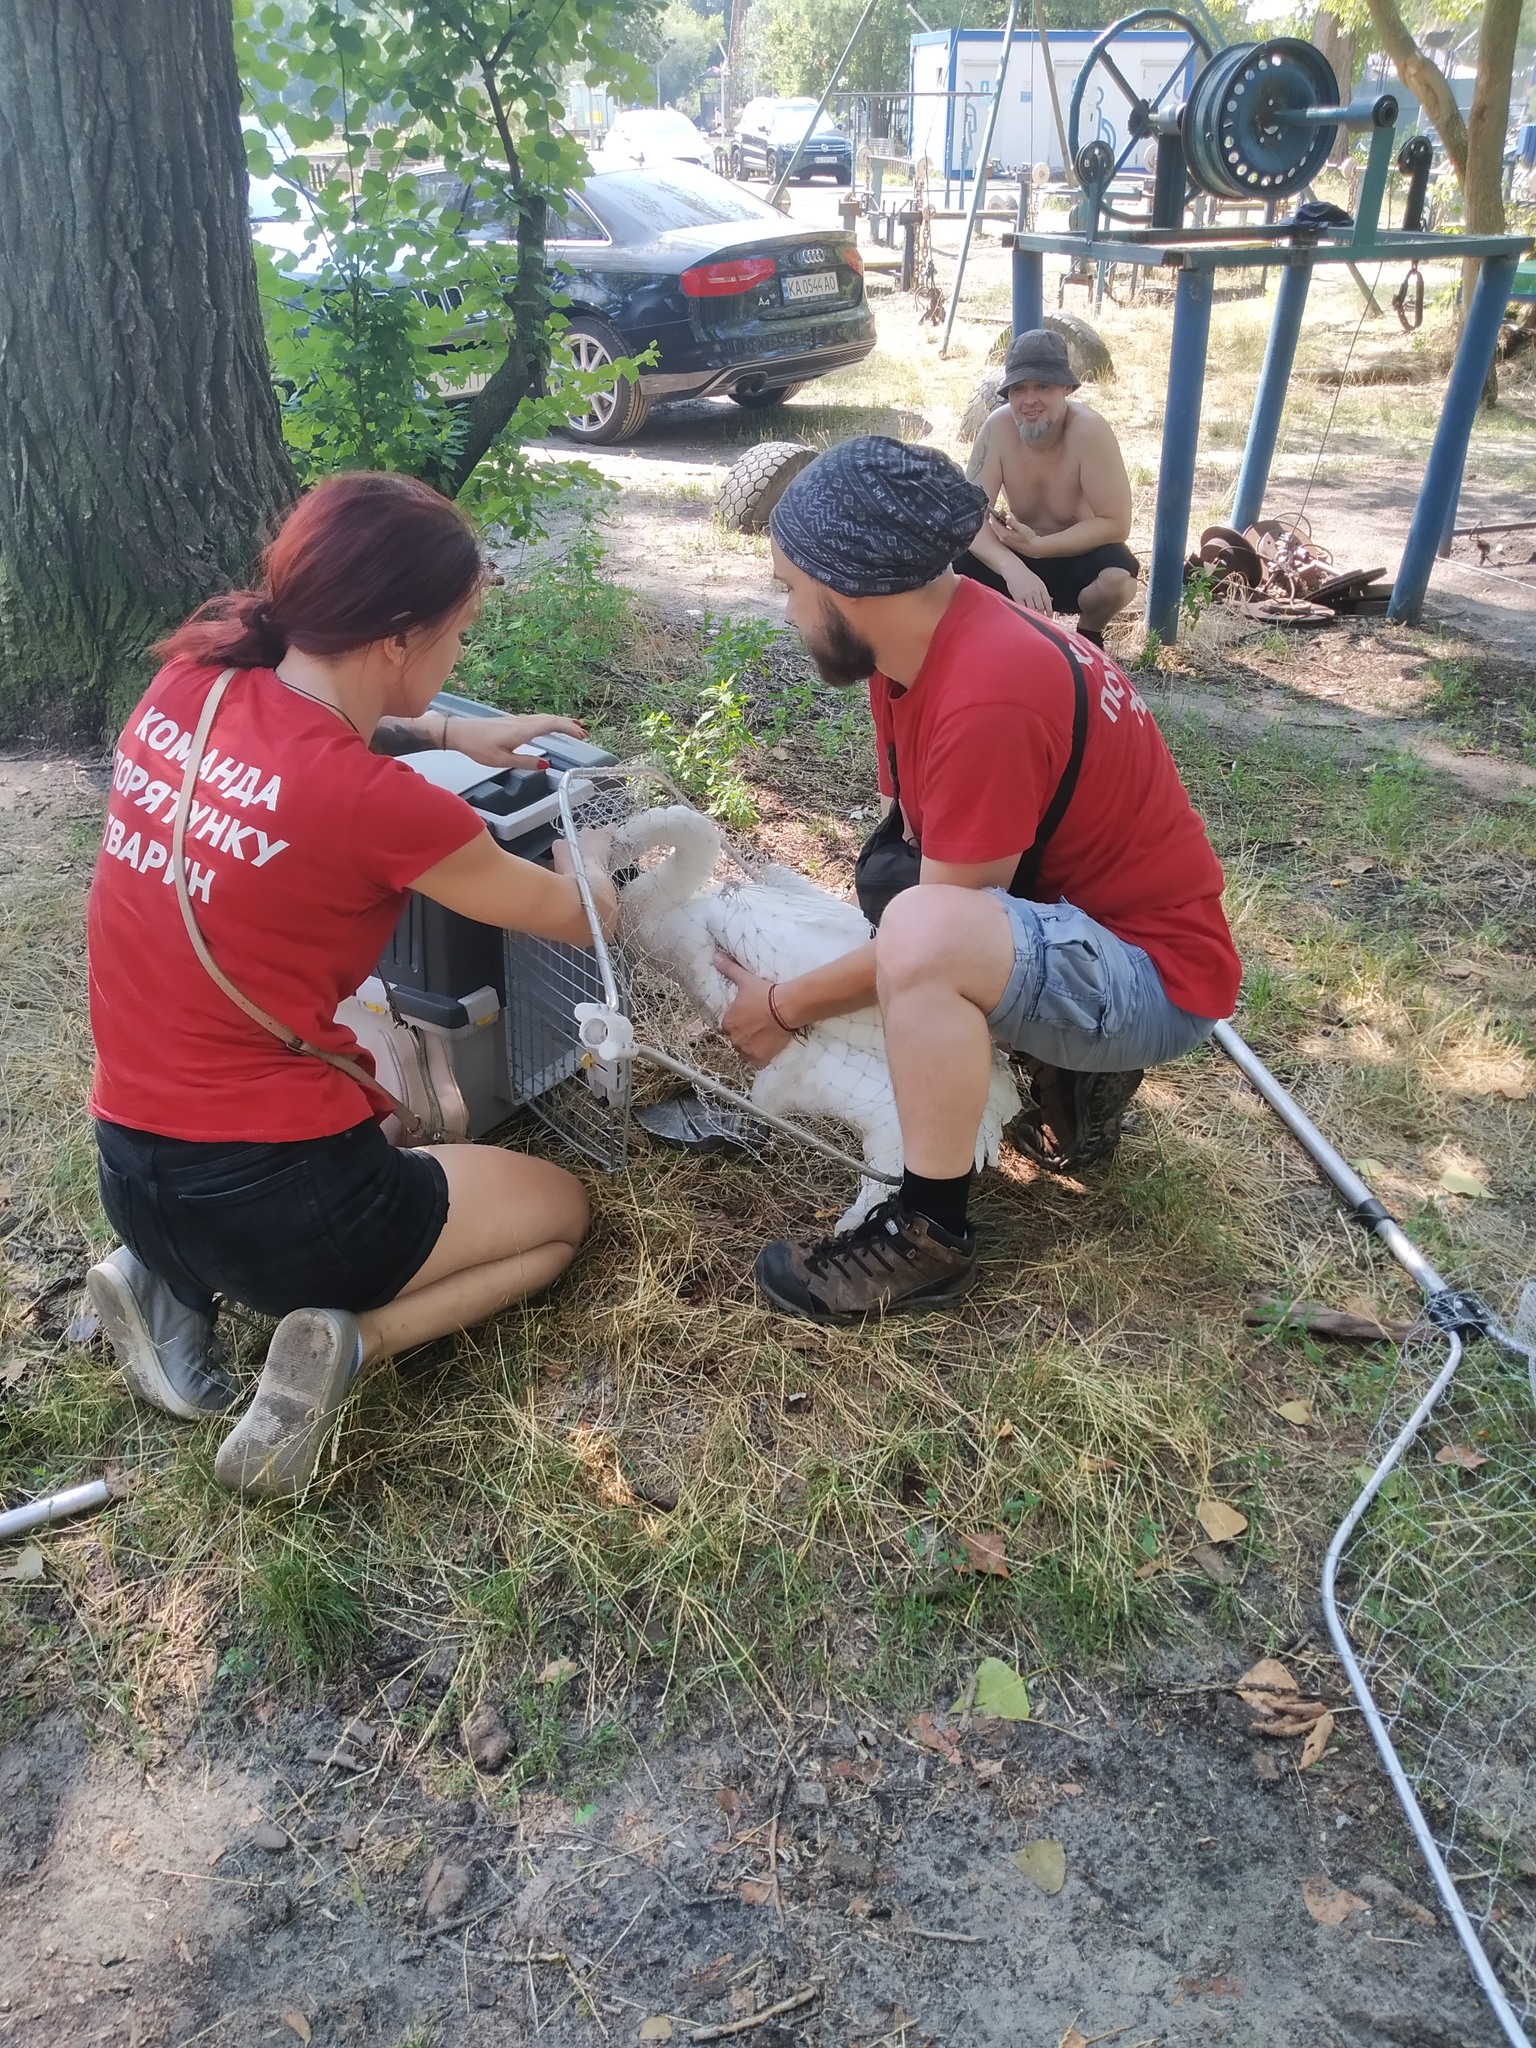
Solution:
(780, 925)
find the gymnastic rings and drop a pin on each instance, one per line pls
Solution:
(1408, 300)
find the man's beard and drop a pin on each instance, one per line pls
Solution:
(1034, 430)
(842, 658)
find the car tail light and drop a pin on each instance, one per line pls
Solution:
(853, 259)
(724, 280)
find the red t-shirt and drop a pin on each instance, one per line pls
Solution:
(983, 735)
(301, 846)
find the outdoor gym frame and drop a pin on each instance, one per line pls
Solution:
(1197, 254)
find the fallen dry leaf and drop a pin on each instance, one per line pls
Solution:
(1220, 1520)
(986, 1770)
(296, 2023)
(1087, 1464)
(1073, 2039)
(1357, 864)
(1222, 1570)
(1005, 1431)
(1457, 1181)
(1299, 1412)
(558, 1668)
(1460, 1454)
(1268, 1685)
(1316, 1744)
(755, 1891)
(926, 1731)
(28, 1566)
(444, 1889)
(984, 1553)
(657, 2029)
(728, 1799)
(1043, 1862)
(1329, 1904)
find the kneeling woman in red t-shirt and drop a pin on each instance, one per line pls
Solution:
(230, 1164)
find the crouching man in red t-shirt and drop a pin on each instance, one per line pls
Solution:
(1067, 904)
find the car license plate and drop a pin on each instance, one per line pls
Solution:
(815, 284)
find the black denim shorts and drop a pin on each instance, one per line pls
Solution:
(339, 1222)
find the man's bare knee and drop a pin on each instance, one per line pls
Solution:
(1110, 591)
(937, 933)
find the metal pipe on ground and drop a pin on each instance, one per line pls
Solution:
(53, 1507)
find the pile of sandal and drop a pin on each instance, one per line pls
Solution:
(1274, 570)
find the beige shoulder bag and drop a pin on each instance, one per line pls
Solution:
(414, 1130)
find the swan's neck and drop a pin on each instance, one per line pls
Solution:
(687, 869)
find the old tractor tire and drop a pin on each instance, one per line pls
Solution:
(1087, 350)
(756, 484)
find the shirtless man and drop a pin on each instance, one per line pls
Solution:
(1060, 545)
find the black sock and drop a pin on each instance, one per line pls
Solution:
(1087, 633)
(941, 1201)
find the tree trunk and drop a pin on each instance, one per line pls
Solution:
(1482, 182)
(1337, 44)
(142, 448)
(1424, 79)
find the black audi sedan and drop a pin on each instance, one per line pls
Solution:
(734, 297)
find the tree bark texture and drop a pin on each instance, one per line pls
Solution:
(1424, 79)
(1482, 184)
(142, 450)
(1337, 44)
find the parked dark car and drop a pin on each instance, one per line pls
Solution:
(770, 139)
(734, 297)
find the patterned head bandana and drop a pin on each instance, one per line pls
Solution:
(873, 517)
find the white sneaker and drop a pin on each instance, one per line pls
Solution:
(168, 1352)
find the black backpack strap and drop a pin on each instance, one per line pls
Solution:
(1026, 876)
(890, 755)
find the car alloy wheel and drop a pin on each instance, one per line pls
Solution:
(614, 415)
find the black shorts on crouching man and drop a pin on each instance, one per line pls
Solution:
(336, 1222)
(1065, 577)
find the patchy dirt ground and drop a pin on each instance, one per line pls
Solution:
(343, 1872)
(283, 1878)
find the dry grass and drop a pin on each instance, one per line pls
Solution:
(649, 1475)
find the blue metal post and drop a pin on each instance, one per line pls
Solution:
(1264, 427)
(1028, 290)
(1181, 438)
(1441, 487)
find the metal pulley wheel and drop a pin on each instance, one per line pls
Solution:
(1087, 121)
(1246, 135)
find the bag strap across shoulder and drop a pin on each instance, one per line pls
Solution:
(1026, 875)
(414, 1130)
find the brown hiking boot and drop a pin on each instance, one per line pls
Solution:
(889, 1261)
(1075, 1120)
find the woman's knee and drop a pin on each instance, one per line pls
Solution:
(513, 1198)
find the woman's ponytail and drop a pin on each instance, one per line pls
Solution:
(237, 630)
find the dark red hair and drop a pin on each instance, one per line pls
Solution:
(360, 558)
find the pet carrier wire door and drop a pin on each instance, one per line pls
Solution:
(581, 1020)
